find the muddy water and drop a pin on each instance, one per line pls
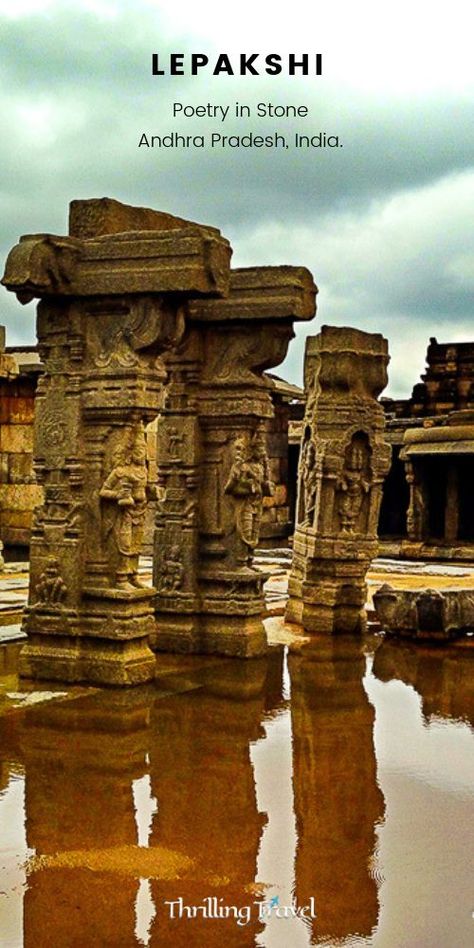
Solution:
(339, 783)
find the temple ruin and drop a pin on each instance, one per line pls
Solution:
(125, 287)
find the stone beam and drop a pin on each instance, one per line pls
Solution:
(186, 260)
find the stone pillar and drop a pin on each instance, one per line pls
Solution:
(343, 462)
(451, 513)
(110, 306)
(418, 511)
(212, 462)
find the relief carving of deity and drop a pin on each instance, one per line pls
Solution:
(354, 484)
(125, 493)
(249, 482)
(308, 480)
(51, 589)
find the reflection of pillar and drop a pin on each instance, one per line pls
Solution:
(344, 460)
(442, 676)
(81, 759)
(109, 308)
(337, 799)
(451, 512)
(203, 780)
(213, 465)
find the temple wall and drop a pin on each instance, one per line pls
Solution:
(19, 494)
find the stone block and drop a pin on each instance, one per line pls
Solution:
(97, 217)
(20, 497)
(22, 410)
(16, 439)
(20, 469)
(425, 614)
(4, 467)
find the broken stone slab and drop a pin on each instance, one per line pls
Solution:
(427, 614)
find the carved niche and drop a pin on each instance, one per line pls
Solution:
(248, 483)
(354, 485)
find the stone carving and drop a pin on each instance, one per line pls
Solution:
(212, 460)
(51, 589)
(249, 482)
(172, 571)
(425, 614)
(354, 483)
(124, 493)
(309, 479)
(344, 460)
(124, 300)
(112, 300)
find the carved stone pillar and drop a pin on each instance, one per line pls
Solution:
(417, 513)
(213, 465)
(344, 460)
(110, 305)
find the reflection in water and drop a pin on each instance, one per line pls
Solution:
(442, 676)
(203, 778)
(215, 785)
(337, 799)
(425, 755)
(81, 760)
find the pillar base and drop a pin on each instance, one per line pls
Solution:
(105, 644)
(326, 620)
(236, 636)
(90, 661)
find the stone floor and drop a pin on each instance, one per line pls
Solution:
(276, 563)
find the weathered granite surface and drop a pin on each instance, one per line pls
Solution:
(213, 467)
(343, 461)
(425, 613)
(132, 300)
(109, 307)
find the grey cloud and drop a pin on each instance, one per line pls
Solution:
(335, 212)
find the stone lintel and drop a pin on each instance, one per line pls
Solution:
(262, 293)
(187, 260)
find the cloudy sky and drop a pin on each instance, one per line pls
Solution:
(385, 223)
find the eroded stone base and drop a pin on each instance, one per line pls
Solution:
(105, 644)
(327, 594)
(87, 660)
(237, 636)
(326, 619)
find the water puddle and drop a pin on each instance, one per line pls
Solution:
(315, 799)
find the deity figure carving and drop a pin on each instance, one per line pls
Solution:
(125, 492)
(309, 481)
(173, 571)
(249, 482)
(354, 484)
(51, 588)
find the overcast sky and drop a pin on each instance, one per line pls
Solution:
(384, 223)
